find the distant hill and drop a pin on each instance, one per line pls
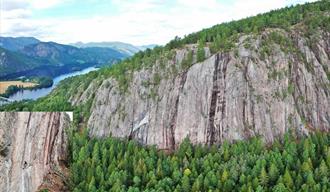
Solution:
(59, 54)
(11, 62)
(125, 48)
(16, 43)
(144, 47)
(42, 58)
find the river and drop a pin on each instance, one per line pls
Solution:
(37, 93)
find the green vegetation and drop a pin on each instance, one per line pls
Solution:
(201, 51)
(23, 62)
(109, 164)
(292, 164)
(41, 82)
(309, 17)
(12, 89)
(312, 14)
(223, 37)
(188, 61)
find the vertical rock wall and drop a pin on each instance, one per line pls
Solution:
(33, 149)
(262, 87)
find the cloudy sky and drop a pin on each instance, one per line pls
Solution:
(134, 21)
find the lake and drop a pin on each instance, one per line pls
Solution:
(35, 94)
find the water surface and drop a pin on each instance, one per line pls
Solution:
(35, 94)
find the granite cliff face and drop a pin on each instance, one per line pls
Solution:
(270, 83)
(33, 150)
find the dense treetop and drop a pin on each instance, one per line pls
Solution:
(290, 164)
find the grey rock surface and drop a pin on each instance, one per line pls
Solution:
(33, 146)
(229, 96)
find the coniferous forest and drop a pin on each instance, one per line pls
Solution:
(290, 164)
(294, 162)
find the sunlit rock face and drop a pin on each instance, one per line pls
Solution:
(33, 150)
(229, 96)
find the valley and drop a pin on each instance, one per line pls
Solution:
(33, 94)
(240, 106)
(50, 59)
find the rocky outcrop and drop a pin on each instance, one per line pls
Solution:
(269, 84)
(33, 150)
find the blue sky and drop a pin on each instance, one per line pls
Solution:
(134, 21)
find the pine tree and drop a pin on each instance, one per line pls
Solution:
(328, 156)
(91, 185)
(310, 180)
(263, 177)
(242, 179)
(141, 168)
(306, 168)
(280, 187)
(96, 153)
(287, 179)
(187, 172)
(136, 181)
(196, 186)
(176, 175)
(99, 174)
(273, 173)
(224, 176)
(159, 171)
(212, 178)
(201, 51)
(226, 155)
(186, 184)
(323, 169)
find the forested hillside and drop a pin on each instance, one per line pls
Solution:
(308, 18)
(240, 106)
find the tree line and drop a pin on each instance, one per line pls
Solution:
(290, 164)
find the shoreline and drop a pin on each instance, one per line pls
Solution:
(18, 85)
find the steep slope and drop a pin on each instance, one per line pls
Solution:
(257, 84)
(33, 150)
(229, 96)
(17, 43)
(263, 75)
(16, 62)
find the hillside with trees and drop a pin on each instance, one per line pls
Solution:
(110, 147)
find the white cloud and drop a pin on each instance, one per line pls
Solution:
(13, 4)
(25, 4)
(137, 22)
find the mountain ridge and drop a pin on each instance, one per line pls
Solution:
(227, 82)
(45, 58)
(173, 118)
(126, 48)
(16, 43)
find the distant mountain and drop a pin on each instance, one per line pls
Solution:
(11, 62)
(28, 56)
(59, 54)
(144, 47)
(16, 43)
(125, 48)
(50, 59)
